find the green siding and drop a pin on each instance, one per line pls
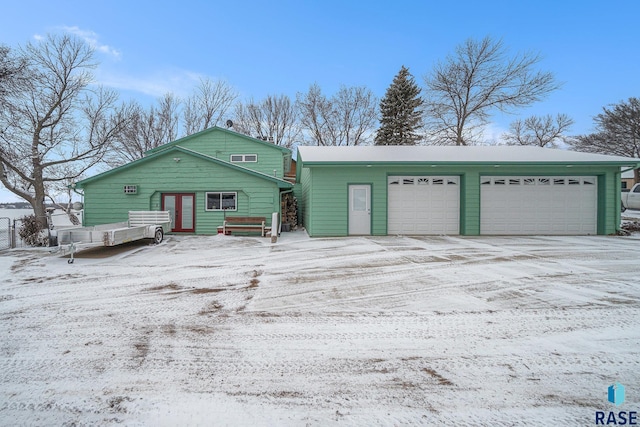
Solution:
(221, 144)
(325, 192)
(105, 201)
(470, 203)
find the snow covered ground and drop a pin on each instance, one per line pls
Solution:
(227, 330)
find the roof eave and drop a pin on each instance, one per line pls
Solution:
(470, 163)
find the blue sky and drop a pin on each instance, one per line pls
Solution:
(148, 48)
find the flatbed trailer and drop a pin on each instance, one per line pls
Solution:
(141, 225)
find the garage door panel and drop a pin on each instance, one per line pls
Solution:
(423, 205)
(538, 205)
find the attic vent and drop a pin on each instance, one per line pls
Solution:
(130, 189)
(244, 158)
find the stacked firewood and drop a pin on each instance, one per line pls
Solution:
(290, 210)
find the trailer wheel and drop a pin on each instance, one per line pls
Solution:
(157, 238)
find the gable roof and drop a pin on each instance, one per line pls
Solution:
(178, 149)
(387, 154)
(216, 129)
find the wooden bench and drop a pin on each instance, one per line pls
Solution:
(245, 223)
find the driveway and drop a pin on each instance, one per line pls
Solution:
(357, 331)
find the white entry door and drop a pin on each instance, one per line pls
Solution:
(360, 209)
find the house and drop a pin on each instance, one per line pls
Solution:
(472, 190)
(201, 179)
(627, 179)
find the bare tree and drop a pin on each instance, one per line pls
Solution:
(275, 119)
(348, 118)
(147, 129)
(55, 127)
(207, 105)
(316, 116)
(545, 131)
(617, 132)
(13, 74)
(480, 78)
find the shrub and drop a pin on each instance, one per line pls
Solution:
(31, 232)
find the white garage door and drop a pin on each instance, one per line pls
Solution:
(423, 205)
(538, 205)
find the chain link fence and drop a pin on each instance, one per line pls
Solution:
(10, 230)
(5, 233)
(13, 239)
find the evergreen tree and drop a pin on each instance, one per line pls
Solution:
(400, 111)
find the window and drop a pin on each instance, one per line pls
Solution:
(637, 189)
(438, 181)
(529, 181)
(514, 181)
(423, 181)
(238, 158)
(407, 181)
(359, 199)
(130, 189)
(543, 181)
(222, 201)
(558, 181)
(498, 181)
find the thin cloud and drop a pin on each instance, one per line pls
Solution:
(492, 133)
(179, 82)
(91, 38)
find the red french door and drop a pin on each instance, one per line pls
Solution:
(181, 206)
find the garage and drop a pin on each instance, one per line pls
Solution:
(459, 190)
(555, 205)
(422, 205)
